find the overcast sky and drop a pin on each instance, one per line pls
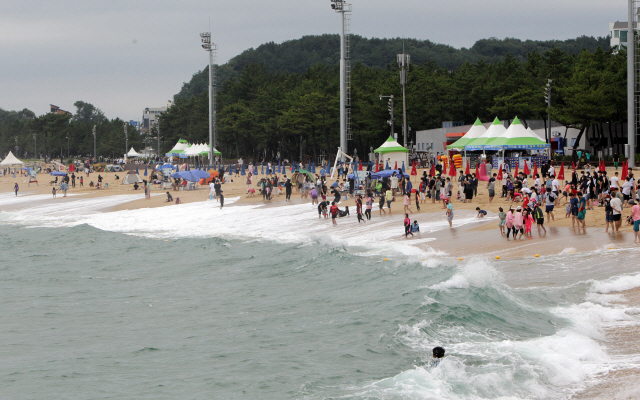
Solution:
(123, 56)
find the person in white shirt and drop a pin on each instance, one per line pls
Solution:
(626, 190)
(616, 205)
(551, 171)
(555, 188)
(536, 184)
(614, 181)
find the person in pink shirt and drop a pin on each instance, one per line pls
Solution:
(528, 222)
(635, 213)
(407, 203)
(510, 220)
(518, 223)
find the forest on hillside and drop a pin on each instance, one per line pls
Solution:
(262, 113)
(297, 56)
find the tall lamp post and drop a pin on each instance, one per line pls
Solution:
(126, 139)
(344, 8)
(95, 156)
(632, 124)
(67, 145)
(547, 99)
(390, 108)
(403, 63)
(211, 48)
(35, 146)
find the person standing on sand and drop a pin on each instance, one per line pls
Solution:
(407, 204)
(407, 226)
(389, 197)
(616, 205)
(449, 213)
(491, 187)
(53, 191)
(287, 190)
(518, 223)
(550, 200)
(16, 188)
(510, 220)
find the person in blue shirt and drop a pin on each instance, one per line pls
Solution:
(415, 227)
(481, 213)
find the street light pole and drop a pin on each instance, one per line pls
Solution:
(158, 126)
(126, 139)
(631, 85)
(403, 62)
(67, 146)
(95, 156)
(211, 48)
(390, 108)
(35, 146)
(547, 99)
(344, 8)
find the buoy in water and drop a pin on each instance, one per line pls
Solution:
(537, 255)
(386, 259)
(497, 257)
(460, 258)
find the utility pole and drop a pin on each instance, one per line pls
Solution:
(631, 85)
(211, 48)
(344, 8)
(95, 155)
(547, 99)
(126, 140)
(158, 126)
(35, 146)
(403, 63)
(390, 108)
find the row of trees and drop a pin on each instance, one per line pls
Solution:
(263, 113)
(63, 135)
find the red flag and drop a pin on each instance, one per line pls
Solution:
(526, 168)
(499, 177)
(414, 170)
(359, 166)
(560, 176)
(396, 166)
(625, 170)
(602, 166)
(432, 171)
(467, 171)
(376, 171)
(535, 169)
(452, 169)
(516, 173)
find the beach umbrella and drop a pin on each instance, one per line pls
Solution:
(242, 171)
(467, 170)
(262, 169)
(402, 167)
(526, 168)
(517, 165)
(359, 166)
(376, 170)
(561, 172)
(58, 173)
(145, 170)
(395, 168)
(499, 177)
(625, 169)
(432, 171)
(414, 170)
(452, 169)
(535, 169)
(573, 165)
(200, 174)
(136, 169)
(387, 166)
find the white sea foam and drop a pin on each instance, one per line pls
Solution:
(476, 273)
(617, 284)
(287, 223)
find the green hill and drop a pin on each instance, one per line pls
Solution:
(296, 56)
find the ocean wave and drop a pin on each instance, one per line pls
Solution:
(616, 284)
(475, 273)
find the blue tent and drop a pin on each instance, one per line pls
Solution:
(386, 173)
(243, 172)
(387, 167)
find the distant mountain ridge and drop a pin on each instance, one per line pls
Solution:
(296, 56)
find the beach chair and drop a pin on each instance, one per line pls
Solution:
(106, 186)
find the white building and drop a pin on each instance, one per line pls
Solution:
(618, 32)
(150, 116)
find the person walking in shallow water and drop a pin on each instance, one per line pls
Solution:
(16, 188)
(407, 226)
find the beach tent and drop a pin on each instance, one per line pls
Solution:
(392, 151)
(475, 132)
(535, 134)
(179, 148)
(130, 179)
(132, 153)
(485, 140)
(518, 137)
(307, 173)
(11, 160)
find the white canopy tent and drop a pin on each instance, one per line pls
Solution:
(10, 160)
(132, 153)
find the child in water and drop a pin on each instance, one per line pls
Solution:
(415, 227)
(438, 354)
(481, 213)
(503, 220)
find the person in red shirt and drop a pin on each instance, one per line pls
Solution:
(334, 212)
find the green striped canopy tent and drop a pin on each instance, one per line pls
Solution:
(391, 146)
(518, 137)
(485, 141)
(475, 132)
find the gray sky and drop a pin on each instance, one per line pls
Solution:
(123, 56)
